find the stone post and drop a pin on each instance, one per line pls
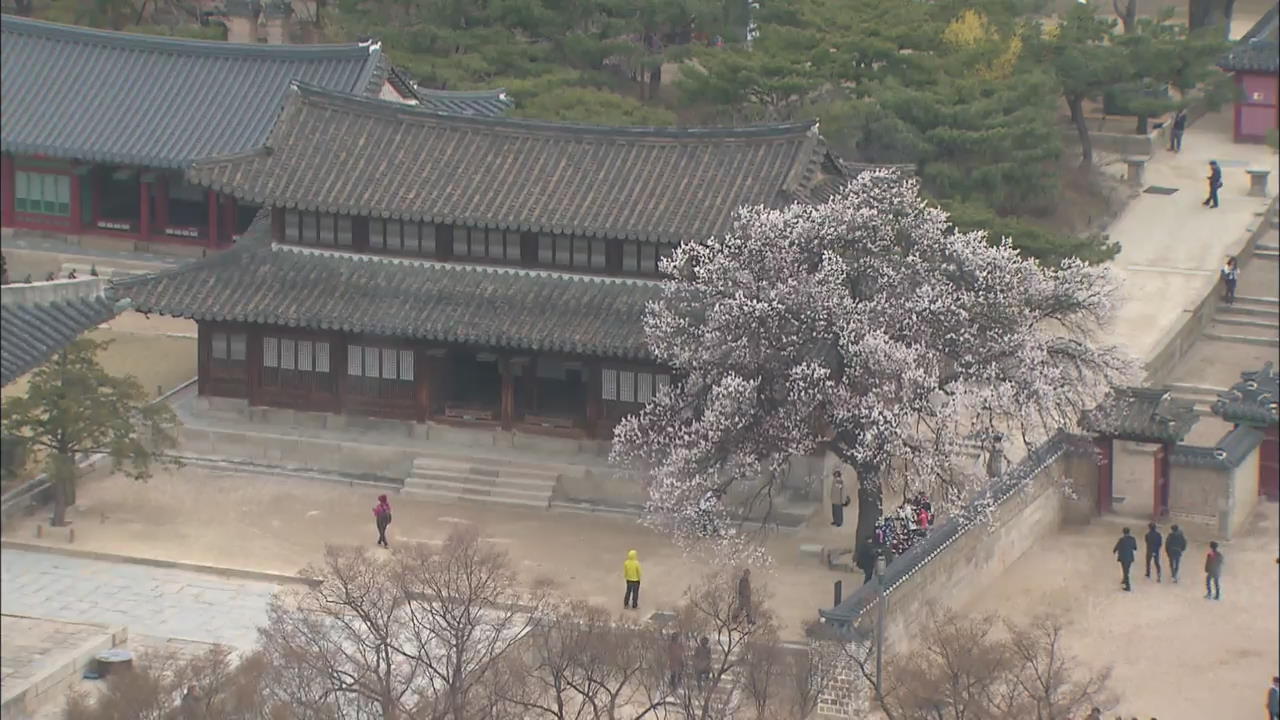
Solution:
(1258, 182)
(1137, 170)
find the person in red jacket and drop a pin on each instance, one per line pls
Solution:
(1213, 573)
(382, 518)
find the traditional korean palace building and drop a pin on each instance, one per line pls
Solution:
(490, 272)
(99, 126)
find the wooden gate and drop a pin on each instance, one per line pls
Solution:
(1269, 464)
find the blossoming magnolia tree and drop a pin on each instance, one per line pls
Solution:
(867, 325)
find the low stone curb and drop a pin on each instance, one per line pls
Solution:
(260, 575)
(18, 702)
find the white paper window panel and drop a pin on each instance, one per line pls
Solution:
(460, 246)
(326, 230)
(292, 226)
(239, 341)
(377, 233)
(581, 254)
(322, 357)
(546, 250)
(512, 239)
(597, 254)
(371, 365)
(409, 234)
(308, 229)
(270, 352)
(355, 360)
(564, 250)
(344, 231)
(64, 188)
(626, 386)
(219, 346)
(661, 381)
(305, 359)
(50, 188)
(644, 387)
(394, 241)
(287, 354)
(427, 232)
(389, 364)
(406, 364)
(477, 242)
(609, 384)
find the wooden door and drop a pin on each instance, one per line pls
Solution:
(1269, 464)
(1160, 483)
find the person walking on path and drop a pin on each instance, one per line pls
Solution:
(1230, 276)
(675, 660)
(1126, 548)
(1176, 130)
(1215, 184)
(744, 598)
(631, 573)
(1174, 546)
(1273, 699)
(1153, 542)
(382, 518)
(839, 499)
(702, 661)
(1213, 573)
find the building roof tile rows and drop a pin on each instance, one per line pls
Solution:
(1258, 50)
(324, 290)
(1150, 415)
(1255, 400)
(109, 97)
(326, 154)
(33, 332)
(488, 103)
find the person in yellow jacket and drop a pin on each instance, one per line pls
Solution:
(631, 573)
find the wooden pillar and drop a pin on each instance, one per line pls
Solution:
(203, 346)
(227, 225)
(253, 358)
(7, 179)
(1106, 468)
(531, 385)
(422, 379)
(1160, 482)
(76, 219)
(161, 187)
(95, 186)
(595, 405)
(277, 224)
(212, 202)
(144, 208)
(508, 391)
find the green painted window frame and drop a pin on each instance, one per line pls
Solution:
(42, 193)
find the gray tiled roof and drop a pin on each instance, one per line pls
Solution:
(419, 299)
(110, 97)
(1229, 452)
(488, 103)
(32, 333)
(1253, 400)
(1259, 49)
(1142, 415)
(326, 153)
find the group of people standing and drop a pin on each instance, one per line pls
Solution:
(1126, 550)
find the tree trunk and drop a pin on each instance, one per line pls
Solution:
(1128, 15)
(870, 506)
(1076, 104)
(62, 475)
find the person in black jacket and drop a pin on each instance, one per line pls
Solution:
(1215, 184)
(1126, 548)
(1174, 546)
(1153, 541)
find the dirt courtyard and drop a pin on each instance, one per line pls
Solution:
(279, 524)
(1175, 655)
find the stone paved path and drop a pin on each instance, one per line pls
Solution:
(151, 601)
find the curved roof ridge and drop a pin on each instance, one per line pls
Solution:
(462, 94)
(179, 45)
(371, 106)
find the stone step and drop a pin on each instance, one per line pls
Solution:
(1266, 254)
(1266, 247)
(1245, 308)
(1258, 300)
(1235, 335)
(482, 480)
(447, 496)
(481, 466)
(463, 486)
(1256, 321)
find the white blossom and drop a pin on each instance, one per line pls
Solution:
(866, 325)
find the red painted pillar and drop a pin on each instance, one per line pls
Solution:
(212, 239)
(7, 179)
(228, 222)
(1105, 469)
(144, 209)
(95, 184)
(161, 186)
(76, 189)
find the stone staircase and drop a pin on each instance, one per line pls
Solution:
(1251, 320)
(512, 482)
(1202, 395)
